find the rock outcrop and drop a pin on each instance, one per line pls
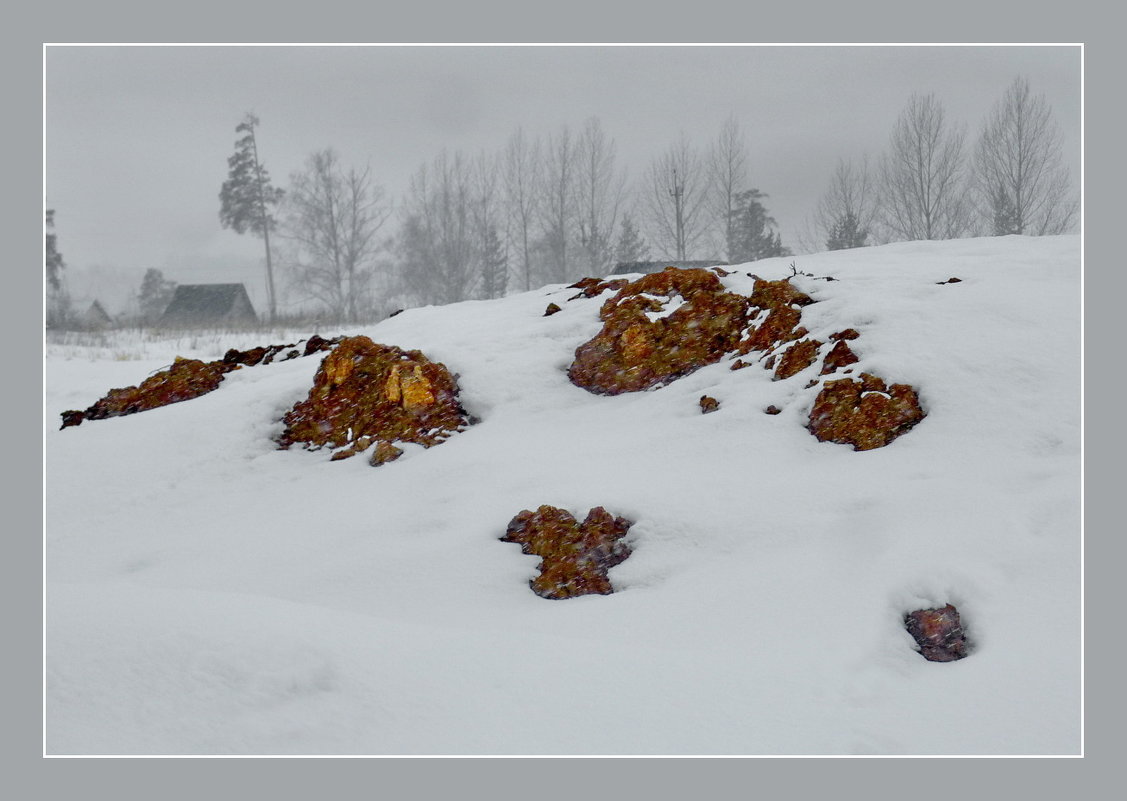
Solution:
(840, 355)
(183, 380)
(366, 393)
(575, 557)
(864, 413)
(593, 287)
(797, 358)
(938, 632)
(659, 328)
(186, 379)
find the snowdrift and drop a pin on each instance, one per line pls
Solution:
(209, 593)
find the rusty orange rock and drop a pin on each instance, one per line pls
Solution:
(575, 557)
(797, 358)
(938, 632)
(840, 355)
(644, 344)
(708, 404)
(384, 452)
(593, 287)
(866, 414)
(776, 294)
(364, 392)
(183, 380)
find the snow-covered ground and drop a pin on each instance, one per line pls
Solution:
(210, 594)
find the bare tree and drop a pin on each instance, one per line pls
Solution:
(922, 175)
(437, 244)
(676, 194)
(728, 170)
(522, 182)
(599, 197)
(1022, 183)
(558, 207)
(332, 221)
(487, 218)
(846, 213)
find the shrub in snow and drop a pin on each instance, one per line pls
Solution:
(865, 414)
(575, 556)
(367, 393)
(658, 328)
(938, 632)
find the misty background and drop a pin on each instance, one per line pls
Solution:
(137, 139)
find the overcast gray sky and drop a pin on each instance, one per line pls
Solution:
(137, 138)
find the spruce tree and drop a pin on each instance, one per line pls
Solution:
(494, 265)
(631, 247)
(154, 295)
(847, 233)
(58, 301)
(752, 237)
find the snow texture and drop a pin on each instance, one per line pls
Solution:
(208, 593)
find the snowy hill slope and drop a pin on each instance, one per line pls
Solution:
(210, 594)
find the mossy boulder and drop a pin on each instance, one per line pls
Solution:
(575, 557)
(658, 328)
(366, 393)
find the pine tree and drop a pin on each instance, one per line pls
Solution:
(494, 265)
(1004, 213)
(58, 301)
(154, 295)
(631, 247)
(847, 233)
(752, 236)
(247, 197)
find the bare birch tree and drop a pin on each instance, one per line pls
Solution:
(558, 206)
(436, 243)
(492, 257)
(728, 170)
(1023, 186)
(332, 222)
(600, 190)
(676, 195)
(846, 214)
(522, 183)
(922, 175)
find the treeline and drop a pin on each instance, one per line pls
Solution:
(555, 207)
(541, 209)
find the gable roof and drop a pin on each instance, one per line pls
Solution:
(97, 313)
(195, 303)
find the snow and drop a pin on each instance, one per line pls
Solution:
(210, 594)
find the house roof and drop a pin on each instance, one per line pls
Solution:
(98, 312)
(206, 301)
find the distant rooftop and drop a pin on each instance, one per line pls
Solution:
(209, 303)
